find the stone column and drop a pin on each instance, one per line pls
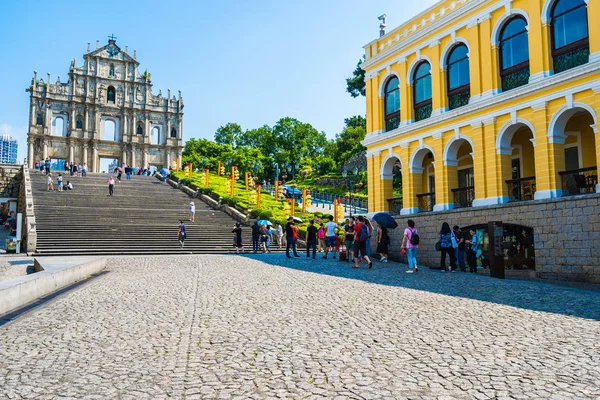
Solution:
(48, 124)
(180, 128)
(95, 157)
(168, 157)
(168, 136)
(72, 121)
(45, 153)
(124, 156)
(85, 122)
(71, 158)
(30, 160)
(133, 156)
(179, 155)
(146, 128)
(145, 158)
(85, 153)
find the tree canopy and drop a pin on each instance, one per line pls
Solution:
(356, 84)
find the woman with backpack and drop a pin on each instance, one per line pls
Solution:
(448, 246)
(383, 240)
(410, 245)
(361, 235)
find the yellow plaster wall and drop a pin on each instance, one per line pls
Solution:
(484, 123)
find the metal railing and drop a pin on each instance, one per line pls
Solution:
(521, 189)
(463, 197)
(395, 205)
(579, 181)
(426, 201)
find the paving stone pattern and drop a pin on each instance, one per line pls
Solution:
(192, 327)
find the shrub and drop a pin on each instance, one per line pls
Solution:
(256, 213)
(266, 215)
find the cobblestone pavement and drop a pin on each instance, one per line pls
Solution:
(13, 266)
(194, 327)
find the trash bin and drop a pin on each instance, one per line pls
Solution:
(11, 244)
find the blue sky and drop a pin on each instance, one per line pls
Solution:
(250, 62)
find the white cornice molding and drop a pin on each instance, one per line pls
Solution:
(371, 140)
(443, 21)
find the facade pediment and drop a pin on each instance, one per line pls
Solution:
(105, 108)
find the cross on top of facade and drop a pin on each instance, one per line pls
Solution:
(112, 37)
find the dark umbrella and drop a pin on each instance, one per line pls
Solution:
(385, 220)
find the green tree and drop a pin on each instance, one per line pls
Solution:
(356, 85)
(348, 141)
(296, 141)
(229, 134)
(196, 150)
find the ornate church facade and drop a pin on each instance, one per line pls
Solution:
(106, 110)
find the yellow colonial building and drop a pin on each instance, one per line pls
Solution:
(484, 102)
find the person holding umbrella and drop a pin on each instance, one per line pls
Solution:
(383, 240)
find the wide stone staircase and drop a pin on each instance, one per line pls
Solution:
(141, 218)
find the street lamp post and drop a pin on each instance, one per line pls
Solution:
(351, 185)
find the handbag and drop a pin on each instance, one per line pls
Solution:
(454, 242)
(403, 252)
(438, 246)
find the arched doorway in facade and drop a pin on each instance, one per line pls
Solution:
(515, 146)
(460, 173)
(391, 177)
(422, 169)
(578, 168)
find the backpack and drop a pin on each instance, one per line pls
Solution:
(414, 238)
(255, 230)
(363, 233)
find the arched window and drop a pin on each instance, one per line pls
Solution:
(140, 130)
(39, 120)
(79, 124)
(173, 133)
(459, 88)
(58, 126)
(112, 70)
(110, 94)
(392, 104)
(514, 54)
(155, 135)
(422, 91)
(570, 42)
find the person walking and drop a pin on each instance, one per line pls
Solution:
(264, 238)
(371, 229)
(289, 237)
(111, 186)
(50, 183)
(383, 241)
(349, 239)
(67, 167)
(472, 248)
(460, 251)
(128, 172)
(84, 170)
(255, 236)
(311, 239)
(279, 232)
(410, 242)
(181, 233)
(446, 242)
(79, 169)
(47, 165)
(192, 211)
(119, 172)
(321, 238)
(331, 232)
(237, 238)
(361, 235)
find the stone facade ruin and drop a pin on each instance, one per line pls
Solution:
(106, 109)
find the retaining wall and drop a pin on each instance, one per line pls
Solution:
(566, 233)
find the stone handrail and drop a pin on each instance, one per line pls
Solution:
(29, 214)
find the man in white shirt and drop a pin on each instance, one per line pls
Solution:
(330, 236)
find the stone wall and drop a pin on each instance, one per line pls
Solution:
(10, 180)
(566, 233)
